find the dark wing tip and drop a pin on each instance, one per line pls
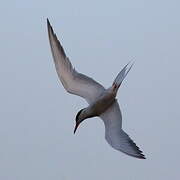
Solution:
(136, 148)
(48, 24)
(141, 156)
(50, 29)
(51, 32)
(48, 21)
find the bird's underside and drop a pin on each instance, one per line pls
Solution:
(86, 87)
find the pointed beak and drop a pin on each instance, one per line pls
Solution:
(76, 126)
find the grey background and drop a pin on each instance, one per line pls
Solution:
(100, 37)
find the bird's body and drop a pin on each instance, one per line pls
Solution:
(102, 102)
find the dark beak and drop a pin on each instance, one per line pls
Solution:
(77, 124)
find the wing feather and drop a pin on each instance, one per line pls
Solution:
(115, 135)
(74, 82)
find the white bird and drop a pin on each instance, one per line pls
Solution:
(102, 102)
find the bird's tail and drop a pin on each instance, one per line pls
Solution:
(122, 74)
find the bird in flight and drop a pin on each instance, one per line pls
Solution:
(102, 102)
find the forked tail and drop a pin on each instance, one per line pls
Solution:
(122, 74)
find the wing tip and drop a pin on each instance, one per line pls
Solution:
(140, 154)
(142, 157)
(48, 21)
(49, 27)
(52, 35)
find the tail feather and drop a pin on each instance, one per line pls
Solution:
(122, 74)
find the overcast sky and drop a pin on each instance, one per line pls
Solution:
(100, 37)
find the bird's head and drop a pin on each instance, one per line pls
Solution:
(80, 117)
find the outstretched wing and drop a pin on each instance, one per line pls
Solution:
(74, 82)
(114, 134)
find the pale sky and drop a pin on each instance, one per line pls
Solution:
(99, 37)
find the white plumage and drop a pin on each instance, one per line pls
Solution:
(102, 102)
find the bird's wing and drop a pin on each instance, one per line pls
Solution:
(74, 82)
(114, 134)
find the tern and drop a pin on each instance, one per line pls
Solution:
(102, 102)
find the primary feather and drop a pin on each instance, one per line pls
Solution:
(74, 82)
